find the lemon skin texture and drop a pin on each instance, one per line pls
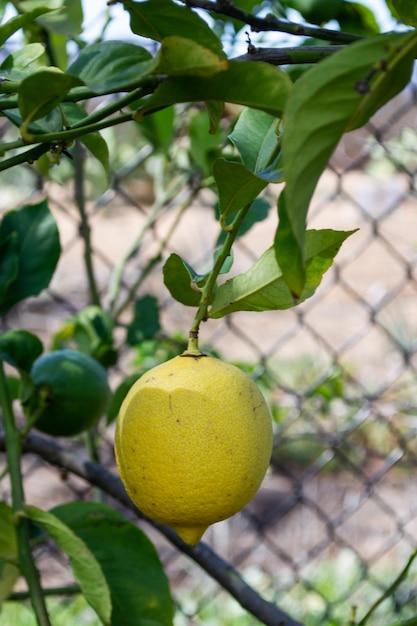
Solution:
(193, 442)
(76, 389)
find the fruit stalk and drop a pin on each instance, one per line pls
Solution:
(208, 289)
(14, 452)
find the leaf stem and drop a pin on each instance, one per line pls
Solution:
(208, 289)
(14, 453)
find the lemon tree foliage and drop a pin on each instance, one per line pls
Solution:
(254, 125)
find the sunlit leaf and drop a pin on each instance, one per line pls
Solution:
(236, 84)
(339, 94)
(262, 287)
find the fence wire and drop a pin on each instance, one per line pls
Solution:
(335, 520)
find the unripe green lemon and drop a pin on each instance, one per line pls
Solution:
(73, 389)
(193, 443)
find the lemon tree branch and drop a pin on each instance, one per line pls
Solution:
(272, 23)
(219, 569)
(13, 451)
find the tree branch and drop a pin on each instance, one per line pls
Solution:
(267, 612)
(289, 56)
(271, 23)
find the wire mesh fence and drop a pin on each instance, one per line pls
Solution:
(335, 520)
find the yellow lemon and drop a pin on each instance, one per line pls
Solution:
(193, 443)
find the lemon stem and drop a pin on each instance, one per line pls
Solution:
(208, 290)
(14, 452)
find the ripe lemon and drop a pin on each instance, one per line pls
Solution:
(70, 394)
(193, 443)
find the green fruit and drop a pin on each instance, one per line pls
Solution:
(70, 394)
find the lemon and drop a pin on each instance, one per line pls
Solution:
(193, 442)
(70, 393)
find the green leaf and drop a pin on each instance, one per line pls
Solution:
(90, 331)
(258, 141)
(145, 322)
(158, 128)
(138, 585)
(20, 349)
(236, 185)
(98, 147)
(9, 262)
(236, 84)
(178, 278)
(20, 21)
(42, 91)
(85, 567)
(158, 19)
(262, 287)
(259, 211)
(65, 21)
(38, 250)
(22, 58)
(119, 395)
(407, 11)
(9, 570)
(354, 17)
(205, 148)
(339, 94)
(53, 122)
(111, 65)
(184, 57)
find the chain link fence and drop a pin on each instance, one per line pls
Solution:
(335, 520)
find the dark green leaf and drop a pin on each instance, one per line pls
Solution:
(138, 584)
(354, 17)
(158, 128)
(20, 21)
(9, 262)
(9, 571)
(337, 95)
(262, 287)
(205, 148)
(158, 19)
(85, 567)
(111, 65)
(258, 212)
(257, 138)
(42, 91)
(316, 11)
(236, 186)
(20, 348)
(145, 323)
(119, 395)
(98, 147)
(407, 11)
(178, 278)
(236, 84)
(38, 249)
(53, 122)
